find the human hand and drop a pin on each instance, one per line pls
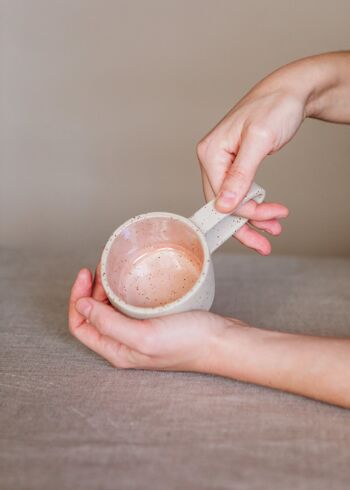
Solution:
(180, 342)
(199, 341)
(260, 124)
(267, 117)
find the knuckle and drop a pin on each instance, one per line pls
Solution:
(148, 344)
(211, 155)
(260, 132)
(97, 318)
(221, 160)
(202, 149)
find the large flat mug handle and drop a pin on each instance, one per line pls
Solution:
(219, 227)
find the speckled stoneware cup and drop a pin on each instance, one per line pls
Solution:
(193, 240)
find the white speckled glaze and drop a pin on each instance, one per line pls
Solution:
(201, 234)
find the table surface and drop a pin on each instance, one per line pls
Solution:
(70, 420)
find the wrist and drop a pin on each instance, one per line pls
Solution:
(236, 350)
(308, 80)
(296, 80)
(315, 367)
(253, 355)
(324, 76)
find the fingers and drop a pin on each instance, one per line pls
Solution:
(84, 331)
(251, 210)
(252, 239)
(113, 324)
(81, 287)
(261, 212)
(272, 226)
(98, 293)
(103, 345)
(254, 147)
(262, 216)
(101, 328)
(214, 160)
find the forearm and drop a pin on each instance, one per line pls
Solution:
(322, 82)
(330, 99)
(316, 367)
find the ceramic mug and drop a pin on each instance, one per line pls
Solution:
(160, 263)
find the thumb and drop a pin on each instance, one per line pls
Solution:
(241, 173)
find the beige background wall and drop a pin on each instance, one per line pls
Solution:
(102, 103)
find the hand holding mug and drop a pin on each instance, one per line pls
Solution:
(260, 124)
(181, 342)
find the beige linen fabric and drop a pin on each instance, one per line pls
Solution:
(69, 420)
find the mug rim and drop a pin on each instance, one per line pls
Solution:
(116, 300)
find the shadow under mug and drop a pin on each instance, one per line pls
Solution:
(160, 263)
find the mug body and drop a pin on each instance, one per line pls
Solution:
(157, 264)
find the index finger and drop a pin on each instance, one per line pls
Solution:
(239, 177)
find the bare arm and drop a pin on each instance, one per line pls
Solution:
(321, 83)
(316, 367)
(330, 97)
(267, 118)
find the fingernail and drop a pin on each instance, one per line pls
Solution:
(227, 198)
(83, 306)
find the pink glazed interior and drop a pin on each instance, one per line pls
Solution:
(154, 261)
